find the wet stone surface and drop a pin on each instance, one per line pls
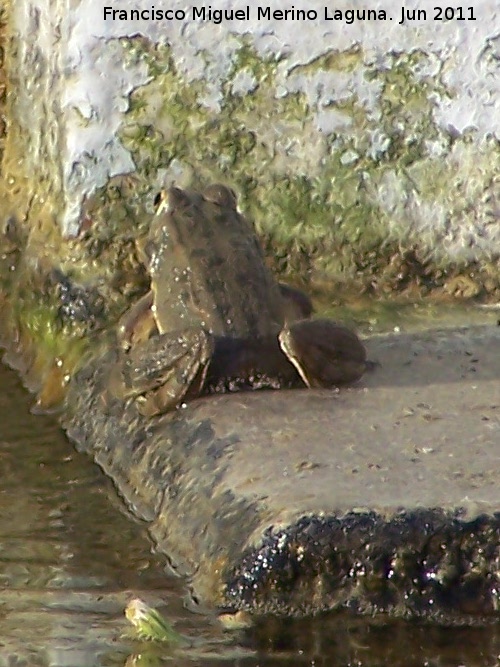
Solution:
(425, 563)
(381, 497)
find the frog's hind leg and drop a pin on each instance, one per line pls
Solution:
(326, 354)
(167, 368)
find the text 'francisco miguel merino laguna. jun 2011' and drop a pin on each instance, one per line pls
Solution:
(266, 13)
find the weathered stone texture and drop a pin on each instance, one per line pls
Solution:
(382, 498)
(335, 132)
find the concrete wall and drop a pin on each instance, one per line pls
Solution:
(334, 132)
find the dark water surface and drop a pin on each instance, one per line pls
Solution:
(71, 559)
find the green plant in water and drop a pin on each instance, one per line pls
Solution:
(150, 625)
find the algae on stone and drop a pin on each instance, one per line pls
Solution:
(363, 192)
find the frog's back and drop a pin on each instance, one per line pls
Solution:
(208, 268)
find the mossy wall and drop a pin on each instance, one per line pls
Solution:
(332, 182)
(348, 140)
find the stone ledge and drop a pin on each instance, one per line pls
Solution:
(380, 497)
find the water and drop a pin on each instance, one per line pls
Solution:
(71, 558)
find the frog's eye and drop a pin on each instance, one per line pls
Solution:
(221, 195)
(161, 202)
(176, 199)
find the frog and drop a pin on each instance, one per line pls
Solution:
(215, 310)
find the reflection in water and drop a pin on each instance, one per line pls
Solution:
(70, 560)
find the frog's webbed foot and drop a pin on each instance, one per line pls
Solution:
(326, 354)
(161, 371)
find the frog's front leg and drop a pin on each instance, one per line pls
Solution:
(138, 323)
(162, 371)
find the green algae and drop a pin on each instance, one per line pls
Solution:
(333, 60)
(327, 220)
(292, 211)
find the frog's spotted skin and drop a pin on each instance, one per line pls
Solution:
(207, 268)
(209, 282)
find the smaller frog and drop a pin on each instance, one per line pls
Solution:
(215, 313)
